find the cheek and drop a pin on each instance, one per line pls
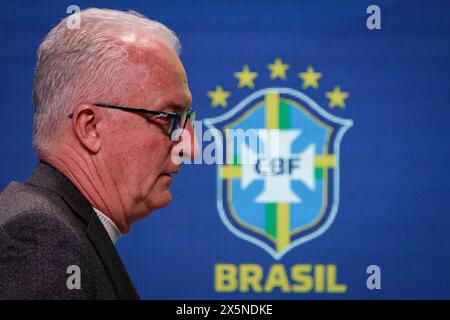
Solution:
(140, 155)
(146, 161)
(152, 158)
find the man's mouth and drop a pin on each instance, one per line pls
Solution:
(170, 173)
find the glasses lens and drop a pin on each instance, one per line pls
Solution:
(192, 118)
(178, 126)
(180, 123)
(183, 119)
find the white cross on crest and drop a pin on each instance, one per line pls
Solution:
(277, 166)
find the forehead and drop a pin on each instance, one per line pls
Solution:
(159, 78)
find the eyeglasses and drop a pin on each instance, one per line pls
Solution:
(179, 119)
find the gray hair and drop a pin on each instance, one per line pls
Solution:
(71, 63)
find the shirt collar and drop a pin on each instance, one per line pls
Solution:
(109, 225)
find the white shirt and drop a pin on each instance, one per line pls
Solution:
(110, 226)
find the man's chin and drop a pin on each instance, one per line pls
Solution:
(164, 199)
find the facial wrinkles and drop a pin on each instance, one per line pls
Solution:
(93, 188)
(160, 78)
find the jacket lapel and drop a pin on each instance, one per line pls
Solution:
(49, 178)
(111, 260)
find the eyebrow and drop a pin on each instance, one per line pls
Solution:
(176, 107)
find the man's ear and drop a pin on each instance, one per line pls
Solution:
(85, 120)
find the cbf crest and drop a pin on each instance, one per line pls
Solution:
(278, 186)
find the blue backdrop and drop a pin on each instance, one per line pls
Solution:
(394, 177)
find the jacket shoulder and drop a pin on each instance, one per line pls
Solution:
(18, 198)
(40, 246)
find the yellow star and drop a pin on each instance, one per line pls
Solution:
(337, 97)
(246, 77)
(310, 78)
(219, 97)
(278, 69)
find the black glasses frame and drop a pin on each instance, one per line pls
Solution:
(175, 116)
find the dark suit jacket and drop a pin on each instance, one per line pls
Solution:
(46, 225)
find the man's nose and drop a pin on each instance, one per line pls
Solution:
(189, 144)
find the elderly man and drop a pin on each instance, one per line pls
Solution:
(111, 105)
